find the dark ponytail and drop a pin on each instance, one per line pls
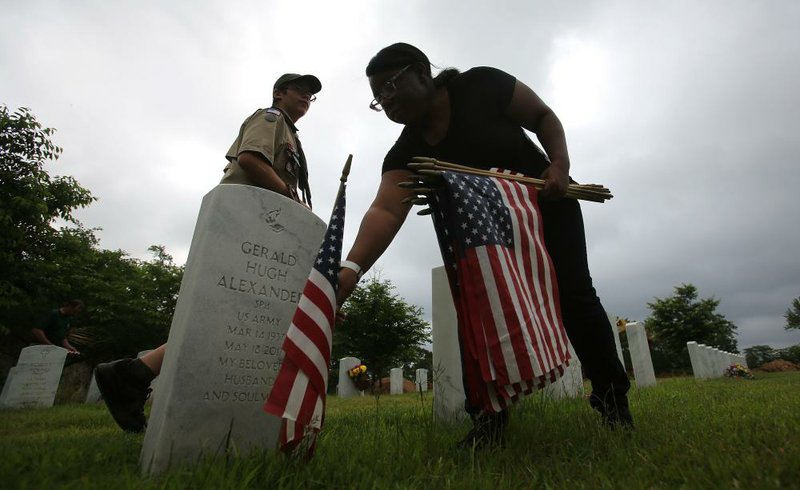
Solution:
(445, 76)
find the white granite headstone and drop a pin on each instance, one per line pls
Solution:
(448, 386)
(613, 319)
(421, 381)
(396, 381)
(36, 378)
(640, 355)
(346, 387)
(4, 393)
(695, 355)
(719, 362)
(706, 360)
(250, 257)
(93, 393)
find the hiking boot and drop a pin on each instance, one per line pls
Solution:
(125, 386)
(615, 412)
(488, 431)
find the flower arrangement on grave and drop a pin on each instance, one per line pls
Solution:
(738, 371)
(359, 376)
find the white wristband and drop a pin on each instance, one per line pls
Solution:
(352, 266)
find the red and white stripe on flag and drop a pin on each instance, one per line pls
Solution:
(298, 395)
(506, 291)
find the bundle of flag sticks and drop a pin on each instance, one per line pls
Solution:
(428, 171)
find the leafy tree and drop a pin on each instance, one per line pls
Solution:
(791, 354)
(792, 315)
(30, 201)
(381, 329)
(422, 359)
(758, 355)
(683, 317)
(129, 302)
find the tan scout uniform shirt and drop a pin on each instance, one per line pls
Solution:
(271, 134)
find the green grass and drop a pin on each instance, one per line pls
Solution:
(715, 434)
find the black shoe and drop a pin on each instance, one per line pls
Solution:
(125, 386)
(615, 412)
(488, 431)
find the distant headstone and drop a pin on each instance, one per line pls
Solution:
(346, 388)
(640, 355)
(93, 393)
(448, 394)
(36, 377)
(421, 382)
(4, 393)
(250, 257)
(706, 360)
(719, 362)
(695, 357)
(570, 384)
(613, 319)
(396, 381)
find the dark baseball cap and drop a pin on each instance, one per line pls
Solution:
(287, 78)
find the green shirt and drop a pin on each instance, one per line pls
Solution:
(55, 327)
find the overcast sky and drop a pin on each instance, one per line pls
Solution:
(687, 110)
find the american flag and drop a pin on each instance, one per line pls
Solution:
(298, 396)
(503, 285)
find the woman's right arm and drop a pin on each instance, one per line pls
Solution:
(378, 227)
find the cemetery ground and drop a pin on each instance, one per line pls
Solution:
(719, 433)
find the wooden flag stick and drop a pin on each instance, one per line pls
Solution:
(433, 167)
(426, 164)
(346, 170)
(572, 192)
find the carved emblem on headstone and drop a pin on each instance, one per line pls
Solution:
(272, 221)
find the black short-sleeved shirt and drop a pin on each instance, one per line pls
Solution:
(480, 135)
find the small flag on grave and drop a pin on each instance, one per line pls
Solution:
(298, 396)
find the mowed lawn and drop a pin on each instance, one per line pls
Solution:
(722, 433)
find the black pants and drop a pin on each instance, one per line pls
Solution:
(584, 318)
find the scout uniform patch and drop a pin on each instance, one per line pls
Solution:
(272, 114)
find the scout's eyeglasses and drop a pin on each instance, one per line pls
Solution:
(387, 91)
(302, 91)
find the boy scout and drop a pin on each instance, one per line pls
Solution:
(267, 152)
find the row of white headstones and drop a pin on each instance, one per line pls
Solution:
(710, 362)
(346, 386)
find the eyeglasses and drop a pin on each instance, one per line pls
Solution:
(387, 91)
(302, 91)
